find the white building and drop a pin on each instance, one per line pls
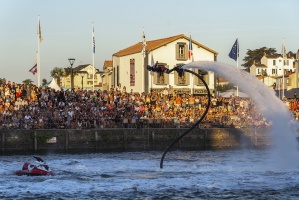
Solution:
(273, 65)
(129, 67)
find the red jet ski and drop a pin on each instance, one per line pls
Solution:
(41, 169)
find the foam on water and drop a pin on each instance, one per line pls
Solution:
(285, 150)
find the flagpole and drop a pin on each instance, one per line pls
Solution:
(192, 60)
(142, 62)
(237, 63)
(283, 55)
(93, 52)
(143, 52)
(38, 53)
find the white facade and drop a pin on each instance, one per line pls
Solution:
(276, 65)
(130, 66)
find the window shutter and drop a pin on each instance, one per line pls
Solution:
(166, 76)
(187, 74)
(206, 78)
(196, 80)
(177, 51)
(186, 52)
(175, 78)
(155, 78)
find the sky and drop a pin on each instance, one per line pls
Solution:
(66, 27)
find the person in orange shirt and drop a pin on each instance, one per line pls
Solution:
(178, 100)
(191, 100)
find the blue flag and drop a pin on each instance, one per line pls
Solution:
(93, 41)
(234, 53)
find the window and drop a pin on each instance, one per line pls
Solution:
(89, 76)
(274, 71)
(183, 80)
(181, 51)
(198, 82)
(274, 62)
(161, 78)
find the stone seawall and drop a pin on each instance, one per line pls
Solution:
(128, 139)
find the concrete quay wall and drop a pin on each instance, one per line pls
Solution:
(128, 139)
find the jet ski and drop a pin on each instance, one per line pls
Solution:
(40, 169)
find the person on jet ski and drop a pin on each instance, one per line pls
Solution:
(41, 163)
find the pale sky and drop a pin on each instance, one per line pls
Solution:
(67, 27)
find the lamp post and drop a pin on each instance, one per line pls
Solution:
(72, 60)
(82, 76)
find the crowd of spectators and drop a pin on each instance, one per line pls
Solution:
(31, 107)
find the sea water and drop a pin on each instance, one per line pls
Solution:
(232, 174)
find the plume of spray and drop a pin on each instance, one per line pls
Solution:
(283, 137)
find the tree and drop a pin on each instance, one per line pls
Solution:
(57, 73)
(28, 82)
(256, 56)
(44, 81)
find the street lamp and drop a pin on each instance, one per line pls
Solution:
(82, 76)
(72, 60)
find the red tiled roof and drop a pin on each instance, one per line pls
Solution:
(107, 63)
(260, 65)
(155, 44)
(278, 55)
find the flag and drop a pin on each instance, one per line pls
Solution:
(39, 32)
(234, 53)
(143, 45)
(33, 70)
(190, 51)
(93, 41)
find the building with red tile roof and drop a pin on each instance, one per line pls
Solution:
(130, 65)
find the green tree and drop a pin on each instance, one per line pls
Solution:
(256, 55)
(28, 82)
(58, 73)
(44, 81)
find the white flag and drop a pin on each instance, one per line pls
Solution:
(39, 32)
(143, 45)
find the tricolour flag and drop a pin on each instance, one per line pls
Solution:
(143, 45)
(39, 32)
(33, 70)
(93, 41)
(234, 52)
(190, 50)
